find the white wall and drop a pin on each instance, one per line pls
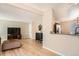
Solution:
(5, 24)
(66, 11)
(35, 24)
(62, 44)
(16, 12)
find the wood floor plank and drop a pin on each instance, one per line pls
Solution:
(29, 48)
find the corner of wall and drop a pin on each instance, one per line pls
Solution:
(53, 51)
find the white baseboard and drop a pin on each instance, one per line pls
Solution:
(53, 51)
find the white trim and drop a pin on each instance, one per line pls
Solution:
(53, 51)
(10, 19)
(29, 8)
(30, 30)
(66, 19)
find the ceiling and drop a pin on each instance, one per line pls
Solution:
(61, 10)
(41, 7)
(8, 11)
(25, 11)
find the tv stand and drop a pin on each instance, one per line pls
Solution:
(11, 36)
(14, 33)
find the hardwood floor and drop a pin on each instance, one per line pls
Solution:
(29, 48)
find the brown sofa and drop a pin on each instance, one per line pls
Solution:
(0, 49)
(10, 44)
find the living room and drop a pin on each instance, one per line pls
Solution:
(14, 17)
(28, 17)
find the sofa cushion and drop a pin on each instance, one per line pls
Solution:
(0, 49)
(10, 44)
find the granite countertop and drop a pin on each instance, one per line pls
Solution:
(65, 34)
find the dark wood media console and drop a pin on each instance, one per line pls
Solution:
(14, 36)
(14, 33)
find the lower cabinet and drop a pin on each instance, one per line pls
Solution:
(39, 36)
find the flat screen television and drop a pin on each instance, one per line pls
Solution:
(13, 30)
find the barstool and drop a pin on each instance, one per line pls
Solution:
(76, 30)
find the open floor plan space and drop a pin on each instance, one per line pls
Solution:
(29, 48)
(39, 29)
